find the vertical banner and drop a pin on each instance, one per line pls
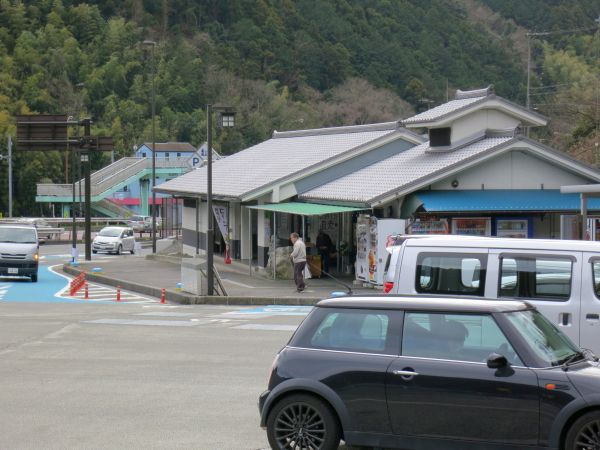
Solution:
(221, 216)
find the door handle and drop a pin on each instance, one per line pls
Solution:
(592, 316)
(564, 319)
(406, 374)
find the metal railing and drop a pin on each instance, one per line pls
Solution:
(110, 176)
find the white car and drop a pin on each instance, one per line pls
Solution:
(114, 240)
(138, 223)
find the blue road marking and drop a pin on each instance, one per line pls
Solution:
(23, 290)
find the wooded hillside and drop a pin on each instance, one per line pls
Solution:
(284, 64)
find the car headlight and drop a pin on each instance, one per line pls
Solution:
(36, 257)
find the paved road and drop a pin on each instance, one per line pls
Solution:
(52, 285)
(109, 375)
(99, 374)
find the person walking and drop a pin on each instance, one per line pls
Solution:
(298, 258)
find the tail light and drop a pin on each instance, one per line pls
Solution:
(388, 286)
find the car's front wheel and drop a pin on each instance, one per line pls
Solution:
(584, 434)
(302, 422)
(34, 278)
(119, 249)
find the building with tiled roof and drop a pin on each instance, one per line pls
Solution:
(464, 166)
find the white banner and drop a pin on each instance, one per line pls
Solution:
(221, 217)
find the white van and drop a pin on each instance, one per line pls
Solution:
(561, 278)
(19, 251)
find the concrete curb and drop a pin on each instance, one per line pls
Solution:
(189, 299)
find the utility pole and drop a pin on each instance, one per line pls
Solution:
(10, 183)
(85, 158)
(210, 227)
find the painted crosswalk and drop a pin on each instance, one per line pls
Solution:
(100, 293)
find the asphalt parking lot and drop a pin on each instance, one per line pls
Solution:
(136, 375)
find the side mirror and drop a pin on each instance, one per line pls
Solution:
(496, 361)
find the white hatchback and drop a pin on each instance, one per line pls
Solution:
(114, 240)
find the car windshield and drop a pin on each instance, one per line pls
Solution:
(17, 235)
(545, 340)
(110, 232)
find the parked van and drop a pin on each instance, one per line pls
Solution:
(561, 278)
(19, 251)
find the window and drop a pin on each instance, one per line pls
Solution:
(458, 337)
(166, 154)
(351, 330)
(439, 137)
(535, 277)
(178, 154)
(451, 273)
(549, 345)
(143, 154)
(596, 273)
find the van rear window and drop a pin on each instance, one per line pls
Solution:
(535, 277)
(451, 273)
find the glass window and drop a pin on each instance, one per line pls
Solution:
(544, 339)
(596, 273)
(451, 273)
(459, 337)
(535, 277)
(361, 331)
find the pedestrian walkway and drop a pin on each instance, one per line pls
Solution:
(149, 276)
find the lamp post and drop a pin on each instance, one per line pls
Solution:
(226, 119)
(152, 44)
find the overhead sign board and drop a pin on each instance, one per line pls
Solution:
(43, 132)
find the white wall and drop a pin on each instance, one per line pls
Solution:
(189, 223)
(513, 170)
(481, 120)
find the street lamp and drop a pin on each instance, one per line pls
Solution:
(152, 44)
(226, 119)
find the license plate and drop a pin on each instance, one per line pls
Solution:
(13, 270)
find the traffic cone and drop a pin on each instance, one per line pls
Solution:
(162, 297)
(118, 293)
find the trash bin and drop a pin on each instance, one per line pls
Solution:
(193, 275)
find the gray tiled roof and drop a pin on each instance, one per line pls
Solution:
(284, 155)
(399, 172)
(443, 110)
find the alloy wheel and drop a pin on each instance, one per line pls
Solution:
(299, 426)
(588, 437)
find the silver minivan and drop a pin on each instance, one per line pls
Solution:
(19, 251)
(561, 278)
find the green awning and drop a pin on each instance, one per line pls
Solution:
(305, 209)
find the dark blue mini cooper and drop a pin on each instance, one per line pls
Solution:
(428, 373)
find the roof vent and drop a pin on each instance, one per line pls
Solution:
(475, 93)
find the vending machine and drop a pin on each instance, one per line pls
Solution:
(593, 229)
(373, 236)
